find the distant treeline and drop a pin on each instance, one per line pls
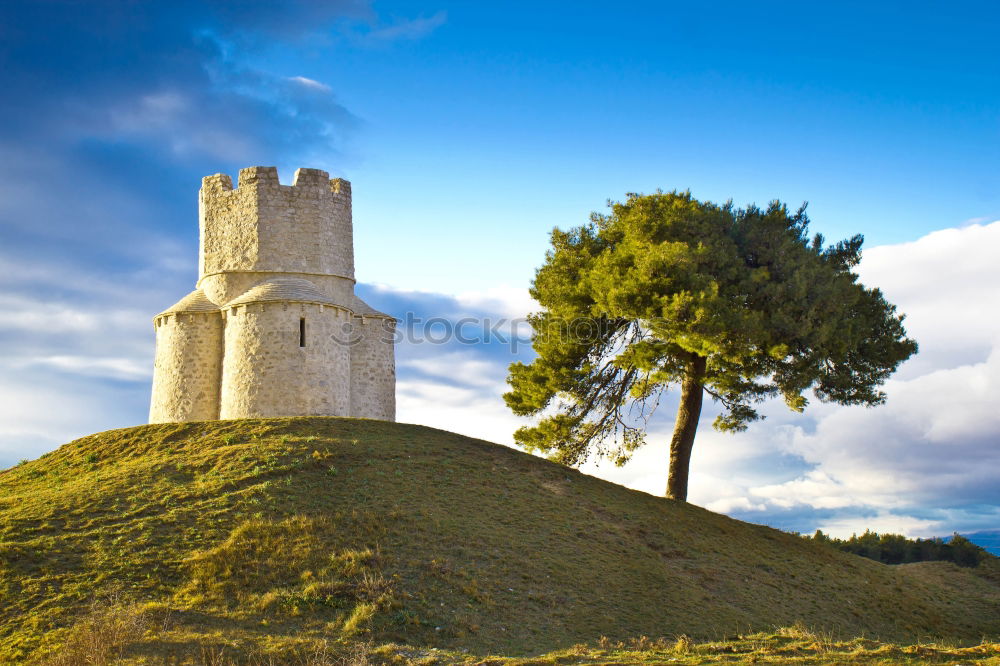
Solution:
(897, 549)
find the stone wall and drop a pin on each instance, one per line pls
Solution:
(265, 371)
(373, 368)
(187, 367)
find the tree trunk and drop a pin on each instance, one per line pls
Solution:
(685, 427)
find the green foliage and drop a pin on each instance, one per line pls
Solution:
(897, 549)
(631, 302)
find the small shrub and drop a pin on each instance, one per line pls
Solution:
(641, 643)
(103, 635)
(373, 586)
(351, 562)
(798, 631)
(359, 619)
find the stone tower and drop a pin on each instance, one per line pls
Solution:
(273, 327)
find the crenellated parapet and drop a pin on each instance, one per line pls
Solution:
(264, 226)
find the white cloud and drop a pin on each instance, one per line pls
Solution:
(310, 83)
(17, 445)
(76, 356)
(40, 411)
(151, 111)
(466, 410)
(938, 436)
(408, 29)
(935, 445)
(946, 284)
(461, 367)
(882, 522)
(816, 488)
(109, 367)
(735, 503)
(511, 302)
(647, 471)
(24, 314)
(42, 317)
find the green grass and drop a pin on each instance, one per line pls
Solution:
(278, 536)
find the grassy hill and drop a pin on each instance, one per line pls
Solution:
(276, 533)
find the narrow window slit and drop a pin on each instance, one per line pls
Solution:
(302, 332)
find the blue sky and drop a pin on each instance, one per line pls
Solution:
(469, 130)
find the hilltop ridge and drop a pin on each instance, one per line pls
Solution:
(275, 530)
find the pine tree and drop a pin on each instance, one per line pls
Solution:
(666, 290)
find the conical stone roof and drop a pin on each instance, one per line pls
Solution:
(196, 301)
(295, 290)
(363, 309)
